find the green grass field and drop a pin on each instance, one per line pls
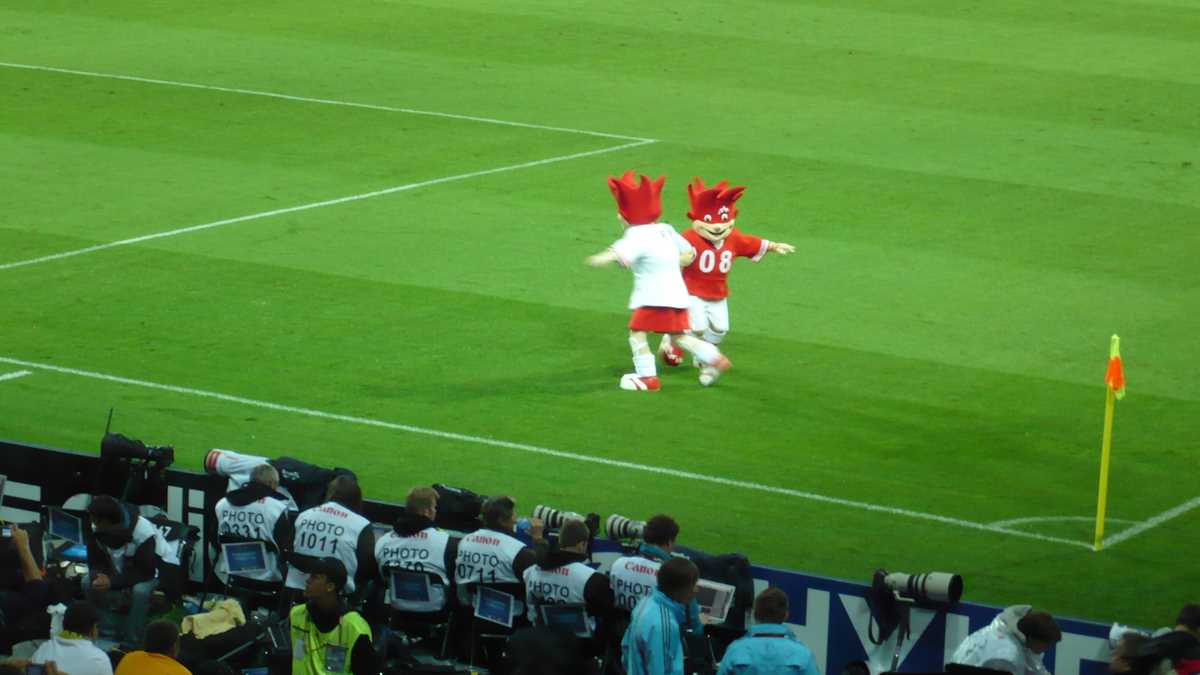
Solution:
(980, 194)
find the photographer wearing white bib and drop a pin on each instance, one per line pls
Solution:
(1013, 642)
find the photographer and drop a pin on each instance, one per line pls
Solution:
(492, 554)
(415, 544)
(1014, 642)
(23, 591)
(635, 577)
(564, 577)
(124, 552)
(334, 529)
(257, 512)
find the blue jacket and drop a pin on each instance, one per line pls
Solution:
(693, 609)
(652, 643)
(768, 648)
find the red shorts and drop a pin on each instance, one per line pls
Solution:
(660, 320)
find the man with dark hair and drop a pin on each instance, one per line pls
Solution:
(124, 552)
(635, 577)
(492, 554)
(158, 655)
(769, 647)
(565, 578)
(256, 511)
(416, 545)
(326, 636)
(661, 531)
(1014, 642)
(653, 643)
(334, 529)
(72, 649)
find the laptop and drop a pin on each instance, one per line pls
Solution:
(72, 552)
(410, 587)
(66, 526)
(568, 617)
(245, 557)
(495, 606)
(714, 599)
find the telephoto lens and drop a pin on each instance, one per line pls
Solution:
(620, 527)
(553, 518)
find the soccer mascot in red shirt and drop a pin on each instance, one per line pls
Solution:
(717, 243)
(654, 251)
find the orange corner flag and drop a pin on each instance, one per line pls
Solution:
(1115, 376)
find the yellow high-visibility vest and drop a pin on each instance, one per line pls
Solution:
(310, 647)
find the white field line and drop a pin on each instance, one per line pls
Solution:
(313, 205)
(1151, 522)
(1049, 519)
(13, 376)
(323, 101)
(561, 454)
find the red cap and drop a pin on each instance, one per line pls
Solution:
(714, 204)
(640, 203)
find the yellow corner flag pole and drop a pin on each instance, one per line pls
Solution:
(1115, 385)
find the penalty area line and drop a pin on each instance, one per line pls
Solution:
(550, 452)
(315, 205)
(14, 375)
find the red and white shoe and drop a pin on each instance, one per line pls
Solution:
(632, 382)
(671, 354)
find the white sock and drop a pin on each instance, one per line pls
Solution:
(707, 353)
(644, 365)
(713, 338)
(643, 360)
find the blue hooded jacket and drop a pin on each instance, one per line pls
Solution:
(653, 644)
(768, 648)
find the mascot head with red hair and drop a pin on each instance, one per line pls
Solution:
(639, 202)
(713, 210)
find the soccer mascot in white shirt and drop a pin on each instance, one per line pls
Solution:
(655, 252)
(717, 243)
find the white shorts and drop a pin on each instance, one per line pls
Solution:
(706, 315)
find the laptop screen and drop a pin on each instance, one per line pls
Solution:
(570, 617)
(495, 606)
(410, 586)
(66, 526)
(244, 558)
(714, 599)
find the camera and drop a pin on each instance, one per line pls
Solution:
(116, 446)
(937, 588)
(6, 532)
(553, 518)
(620, 527)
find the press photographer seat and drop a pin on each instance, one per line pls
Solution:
(252, 592)
(413, 605)
(495, 611)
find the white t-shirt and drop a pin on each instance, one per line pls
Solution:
(76, 657)
(652, 252)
